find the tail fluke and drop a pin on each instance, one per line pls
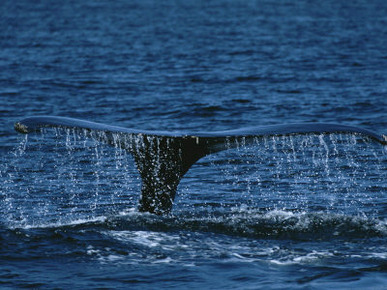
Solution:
(163, 158)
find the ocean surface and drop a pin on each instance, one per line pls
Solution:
(300, 212)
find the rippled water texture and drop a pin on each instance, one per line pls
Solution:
(296, 212)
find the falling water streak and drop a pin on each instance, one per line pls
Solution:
(119, 165)
(275, 162)
(325, 153)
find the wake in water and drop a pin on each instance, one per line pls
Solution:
(191, 239)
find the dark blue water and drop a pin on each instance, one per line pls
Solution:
(306, 212)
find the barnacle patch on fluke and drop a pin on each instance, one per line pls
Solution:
(21, 128)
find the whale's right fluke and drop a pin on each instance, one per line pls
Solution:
(163, 158)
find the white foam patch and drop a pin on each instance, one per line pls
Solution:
(165, 241)
(298, 258)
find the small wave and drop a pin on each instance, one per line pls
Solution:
(249, 78)
(59, 224)
(241, 101)
(277, 224)
(271, 224)
(308, 257)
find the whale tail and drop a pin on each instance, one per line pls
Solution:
(162, 162)
(162, 158)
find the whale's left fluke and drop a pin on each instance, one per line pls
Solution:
(163, 158)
